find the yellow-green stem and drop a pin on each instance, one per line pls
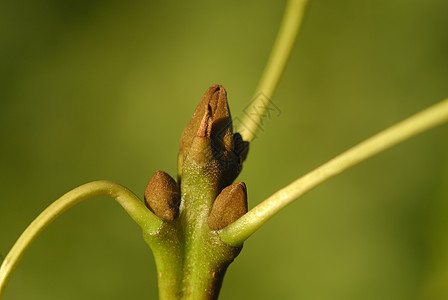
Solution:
(128, 200)
(236, 233)
(274, 68)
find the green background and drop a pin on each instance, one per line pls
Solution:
(102, 90)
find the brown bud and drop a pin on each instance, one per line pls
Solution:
(229, 206)
(162, 196)
(212, 122)
(214, 105)
(211, 112)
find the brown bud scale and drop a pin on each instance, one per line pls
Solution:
(229, 206)
(162, 196)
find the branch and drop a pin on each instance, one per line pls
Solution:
(128, 200)
(274, 68)
(236, 233)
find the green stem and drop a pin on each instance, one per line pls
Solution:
(274, 68)
(236, 233)
(190, 257)
(129, 201)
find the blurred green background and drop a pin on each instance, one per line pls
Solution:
(102, 90)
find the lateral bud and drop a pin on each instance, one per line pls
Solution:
(162, 196)
(229, 206)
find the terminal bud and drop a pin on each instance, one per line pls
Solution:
(208, 138)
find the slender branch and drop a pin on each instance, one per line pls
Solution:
(128, 200)
(236, 233)
(274, 68)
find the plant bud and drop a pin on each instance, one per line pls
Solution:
(210, 132)
(162, 196)
(229, 206)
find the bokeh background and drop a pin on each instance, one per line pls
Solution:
(102, 90)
